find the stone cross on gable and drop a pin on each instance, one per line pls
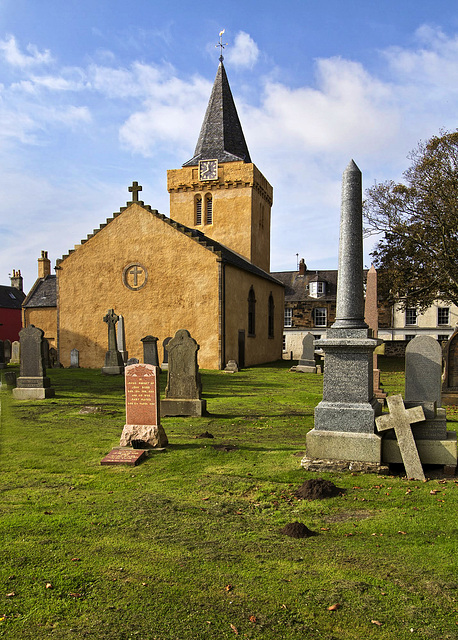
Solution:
(111, 319)
(134, 189)
(400, 420)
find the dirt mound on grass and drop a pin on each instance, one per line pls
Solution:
(317, 489)
(296, 530)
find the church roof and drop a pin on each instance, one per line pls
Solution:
(221, 136)
(43, 293)
(10, 297)
(220, 250)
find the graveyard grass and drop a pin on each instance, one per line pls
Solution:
(187, 545)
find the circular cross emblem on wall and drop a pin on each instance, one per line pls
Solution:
(134, 276)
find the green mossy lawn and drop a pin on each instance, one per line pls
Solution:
(187, 545)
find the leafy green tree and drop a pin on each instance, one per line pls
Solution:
(418, 251)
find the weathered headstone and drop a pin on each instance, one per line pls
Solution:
(15, 352)
(74, 359)
(32, 384)
(306, 363)
(371, 319)
(450, 384)
(344, 420)
(184, 390)
(7, 348)
(132, 361)
(143, 427)
(2, 355)
(114, 364)
(435, 444)
(121, 338)
(122, 456)
(165, 356)
(45, 348)
(231, 367)
(400, 420)
(150, 355)
(53, 358)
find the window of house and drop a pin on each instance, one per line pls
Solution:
(271, 308)
(209, 210)
(317, 289)
(251, 313)
(320, 316)
(443, 316)
(409, 337)
(442, 338)
(284, 342)
(288, 317)
(411, 317)
(198, 210)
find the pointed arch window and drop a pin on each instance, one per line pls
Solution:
(208, 210)
(198, 210)
(251, 313)
(270, 311)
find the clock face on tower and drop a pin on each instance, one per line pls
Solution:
(208, 169)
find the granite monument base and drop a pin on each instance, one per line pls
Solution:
(344, 445)
(430, 451)
(150, 436)
(33, 393)
(183, 407)
(113, 371)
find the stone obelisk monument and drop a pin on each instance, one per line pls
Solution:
(345, 419)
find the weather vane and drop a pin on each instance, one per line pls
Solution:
(221, 44)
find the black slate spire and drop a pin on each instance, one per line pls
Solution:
(221, 136)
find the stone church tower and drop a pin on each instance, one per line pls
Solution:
(220, 191)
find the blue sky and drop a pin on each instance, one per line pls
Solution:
(95, 94)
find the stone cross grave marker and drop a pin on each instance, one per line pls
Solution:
(143, 429)
(114, 363)
(400, 420)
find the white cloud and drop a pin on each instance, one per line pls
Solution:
(245, 51)
(16, 58)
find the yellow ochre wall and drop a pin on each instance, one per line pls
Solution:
(242, 200)
(44, 318)
(260, 348)
(181, 290)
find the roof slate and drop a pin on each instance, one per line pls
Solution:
(43, 293)
(221, 136)
(10, 297)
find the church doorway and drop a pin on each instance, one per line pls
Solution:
(241, 359)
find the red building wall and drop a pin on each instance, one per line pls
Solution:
(10, 324)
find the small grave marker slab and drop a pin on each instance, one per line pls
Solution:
(400, 420)
(130, 457)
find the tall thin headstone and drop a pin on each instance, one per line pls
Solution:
(2, 355)
(450, 384)
(114, 363)
(7, 347)
(15, 352)
(121, 338)
(183, 394)
(74, 359)
(306, 363)
(165, 357)
(371, 318)
(32, 384)
(345, 419)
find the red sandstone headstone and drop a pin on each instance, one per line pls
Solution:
(143, 423)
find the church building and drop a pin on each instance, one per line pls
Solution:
(205, 268)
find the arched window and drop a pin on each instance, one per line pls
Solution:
(251, 313)
(209, 210)
(198, 210)
(270, 311)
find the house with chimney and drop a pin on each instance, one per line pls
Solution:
(11, 298)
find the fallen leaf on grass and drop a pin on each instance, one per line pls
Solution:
(228, 587)
(379, 624)
(75, 595)
(234, 629)
(76, 559)
(404, 533)
(253, 619)
(11, 594)
(334, 607)
(47, 513)
(48, 585)
(434, 491)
